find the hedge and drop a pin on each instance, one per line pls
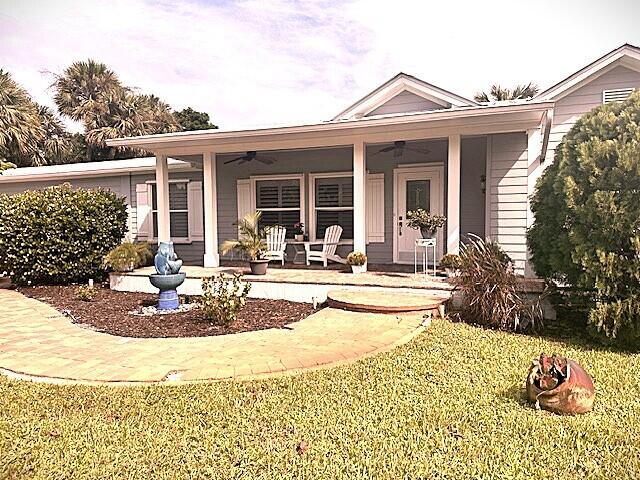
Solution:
(59, 235)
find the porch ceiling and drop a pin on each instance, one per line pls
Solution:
(388, 128)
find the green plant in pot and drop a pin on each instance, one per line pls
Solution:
(128, 256)
(451, 263)
(422, 220)
(251, 243)
(358, 262)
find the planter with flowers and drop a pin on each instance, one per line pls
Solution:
(358, 262)
(428, 224)
(451, 264)
(298, 231)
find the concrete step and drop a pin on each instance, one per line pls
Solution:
(385, 301)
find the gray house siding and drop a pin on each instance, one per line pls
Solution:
(571, 107)
(405, 102)
(507, 184)
(124, 185)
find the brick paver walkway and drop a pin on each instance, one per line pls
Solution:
(39, 342)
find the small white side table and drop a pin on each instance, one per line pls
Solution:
(425, 243)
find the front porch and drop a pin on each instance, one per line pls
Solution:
(297, 284)
(363, 175)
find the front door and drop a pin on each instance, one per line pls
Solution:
(415, 187)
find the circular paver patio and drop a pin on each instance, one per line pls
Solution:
(38, 342)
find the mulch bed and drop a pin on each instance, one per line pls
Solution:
(108, 312)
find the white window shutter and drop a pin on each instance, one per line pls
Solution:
(374, 197)
(196, 214)
(245, 199)
(143, 211)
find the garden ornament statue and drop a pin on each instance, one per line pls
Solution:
(167, 277)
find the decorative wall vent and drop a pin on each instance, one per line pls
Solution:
(617, 95)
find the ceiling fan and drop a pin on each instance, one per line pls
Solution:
(398, 148)
(252, 155)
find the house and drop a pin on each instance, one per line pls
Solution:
(407, 144)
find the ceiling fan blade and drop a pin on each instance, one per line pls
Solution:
(266, 159)
(424, 151)
(235, 159)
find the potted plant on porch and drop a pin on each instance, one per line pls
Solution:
(358, 262)
(251, 243)
(298, 231)
(422, 220)
(451, 264)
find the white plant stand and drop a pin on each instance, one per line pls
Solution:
(423, 245)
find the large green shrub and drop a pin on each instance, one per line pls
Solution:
(60, 234)
(587, 217)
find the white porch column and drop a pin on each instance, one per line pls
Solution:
(211, 256)
(453, 195)
(162, 193)
(359, 187)
(534, 170)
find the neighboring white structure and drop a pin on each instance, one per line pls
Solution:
(405, 145)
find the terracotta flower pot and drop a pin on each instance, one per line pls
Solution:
(566, 396)
(259, 267)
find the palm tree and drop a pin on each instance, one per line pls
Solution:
(82, 93)
(129, 115)
(20, 126)
(55, 145)
(498, 93)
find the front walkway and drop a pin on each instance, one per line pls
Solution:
(38, 342)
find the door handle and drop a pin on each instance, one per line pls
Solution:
(400, 226)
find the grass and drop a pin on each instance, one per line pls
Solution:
(450, 404)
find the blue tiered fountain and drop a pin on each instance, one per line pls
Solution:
(167, 277)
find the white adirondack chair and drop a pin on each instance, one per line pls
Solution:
(276, 244)
(329, 245)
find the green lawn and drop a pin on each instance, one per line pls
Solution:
(448, 405)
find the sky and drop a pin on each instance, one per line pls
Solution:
(264, 62)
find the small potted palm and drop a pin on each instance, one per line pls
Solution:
(428, 224)
(251, 243)
(451, 264)
(358, 262)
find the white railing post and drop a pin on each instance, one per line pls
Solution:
(211, 256)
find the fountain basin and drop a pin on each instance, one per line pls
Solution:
(167, 284)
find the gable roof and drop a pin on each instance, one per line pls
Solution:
(626, 55)
(401, 83)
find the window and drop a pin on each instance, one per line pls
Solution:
(333, 204)
(279, 202)
(617, 95)
(178, 211)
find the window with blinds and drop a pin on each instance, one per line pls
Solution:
(279, 202)
(334, 205)
(178, 210)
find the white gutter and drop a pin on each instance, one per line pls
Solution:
(167, 139)
(87, 170)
